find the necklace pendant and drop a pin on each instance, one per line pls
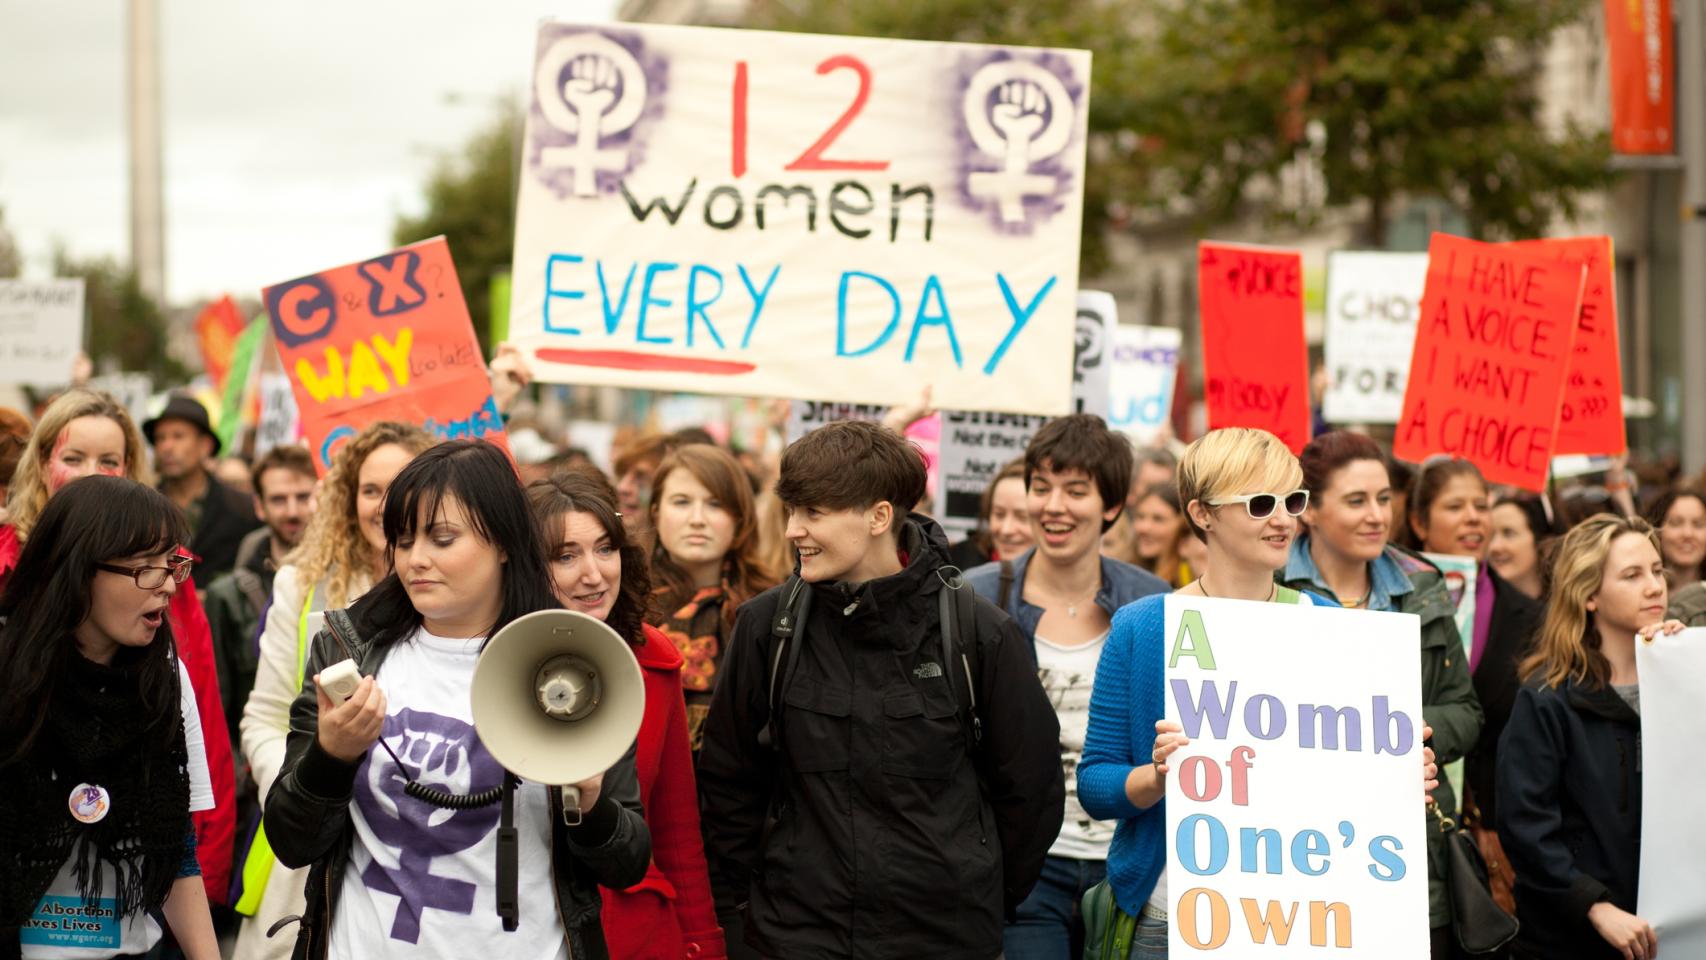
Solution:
(89, 803)
(1072, 610)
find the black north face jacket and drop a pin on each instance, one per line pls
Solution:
(877, 830)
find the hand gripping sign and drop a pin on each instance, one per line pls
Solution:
(384, 339)
(765, 214)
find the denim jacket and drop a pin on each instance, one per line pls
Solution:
(1122, 583)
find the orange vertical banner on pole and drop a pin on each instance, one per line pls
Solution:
(1641, 41)
(1487, 374)
(1591, 418)
(1255, 362)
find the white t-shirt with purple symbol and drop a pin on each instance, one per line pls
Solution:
(421, 881)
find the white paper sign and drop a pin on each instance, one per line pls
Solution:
(789, 215)
(1264, 858)
(1145, 363)
(975, 446)
(1673, 839)
(280, 423)
(1092, 360)
(41, 330)
(1373, 301)
(804, 416)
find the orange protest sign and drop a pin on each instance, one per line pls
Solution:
(1487, 372)
(1255, 362)
(384, 339)
(217, 328)
(1591, 419)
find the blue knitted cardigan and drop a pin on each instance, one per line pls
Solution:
(1125, 705)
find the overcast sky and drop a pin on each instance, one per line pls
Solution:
(294, 132)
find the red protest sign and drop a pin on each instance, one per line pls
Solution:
(384, 339)
(1487, 371)
(1591, 418)
(1255, 363)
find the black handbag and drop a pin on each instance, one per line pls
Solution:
(1481, 925)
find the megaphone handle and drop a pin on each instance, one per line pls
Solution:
(571, 806)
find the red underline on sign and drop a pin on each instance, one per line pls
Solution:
(630, 360)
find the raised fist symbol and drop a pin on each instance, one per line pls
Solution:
(1019, 115)
(590, 89)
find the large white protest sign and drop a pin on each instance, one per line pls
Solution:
(1295, 815)
(1373, 301)
(1140, 399)
(41, 330)
(1673, 841)
(766, 214)
(280, 423)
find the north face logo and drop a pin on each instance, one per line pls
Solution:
(927, 671)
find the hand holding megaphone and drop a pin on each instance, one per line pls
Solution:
(349, 723)
(557, 698)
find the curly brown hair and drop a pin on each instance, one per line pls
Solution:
(586, 490)
(333, 547)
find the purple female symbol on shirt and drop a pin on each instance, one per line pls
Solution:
(440, 752)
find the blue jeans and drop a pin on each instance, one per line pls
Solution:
(1048, 926)
(1150, 943)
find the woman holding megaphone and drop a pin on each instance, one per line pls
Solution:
(395, 873)
(598, 571)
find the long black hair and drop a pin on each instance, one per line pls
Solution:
(481, 479)
(587, 491)
(97, 519)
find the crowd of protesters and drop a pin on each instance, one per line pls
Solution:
(860, 739)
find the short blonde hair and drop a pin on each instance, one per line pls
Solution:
(28, 492)
(1235, 460)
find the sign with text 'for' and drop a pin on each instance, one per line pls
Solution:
(766, 214)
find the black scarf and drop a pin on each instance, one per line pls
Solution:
(97, 731)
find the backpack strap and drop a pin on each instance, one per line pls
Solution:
(1005, 588)
(789, 620)
(959, 614)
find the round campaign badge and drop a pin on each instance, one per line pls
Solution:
(90, 803)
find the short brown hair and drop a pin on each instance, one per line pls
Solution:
(283, 457)
(1331, 452)
(851, 463)
(1083, 441)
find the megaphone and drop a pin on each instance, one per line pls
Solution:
(557, 698)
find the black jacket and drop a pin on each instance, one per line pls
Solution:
(227, 516)
(890, 838)
(1569, 801)
(1510, 631)
(307, 821)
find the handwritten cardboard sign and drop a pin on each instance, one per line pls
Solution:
(1591, 418)
(1255, 361)
(41, 330)
(1487, 373)
(1279, 701)
(384, 339)
(1373, 300)
(766, 214)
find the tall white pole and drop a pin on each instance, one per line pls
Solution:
(147, 213)
(1691, 131)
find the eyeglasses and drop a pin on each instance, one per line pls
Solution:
(152, 578)
(1261, 506)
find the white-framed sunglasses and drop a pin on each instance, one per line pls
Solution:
(1260, 506)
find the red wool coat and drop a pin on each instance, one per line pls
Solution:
(216, 829)
(668, 915)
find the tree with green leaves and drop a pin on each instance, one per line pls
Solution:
(471, 202)
(127, 329)
(1200, 109)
